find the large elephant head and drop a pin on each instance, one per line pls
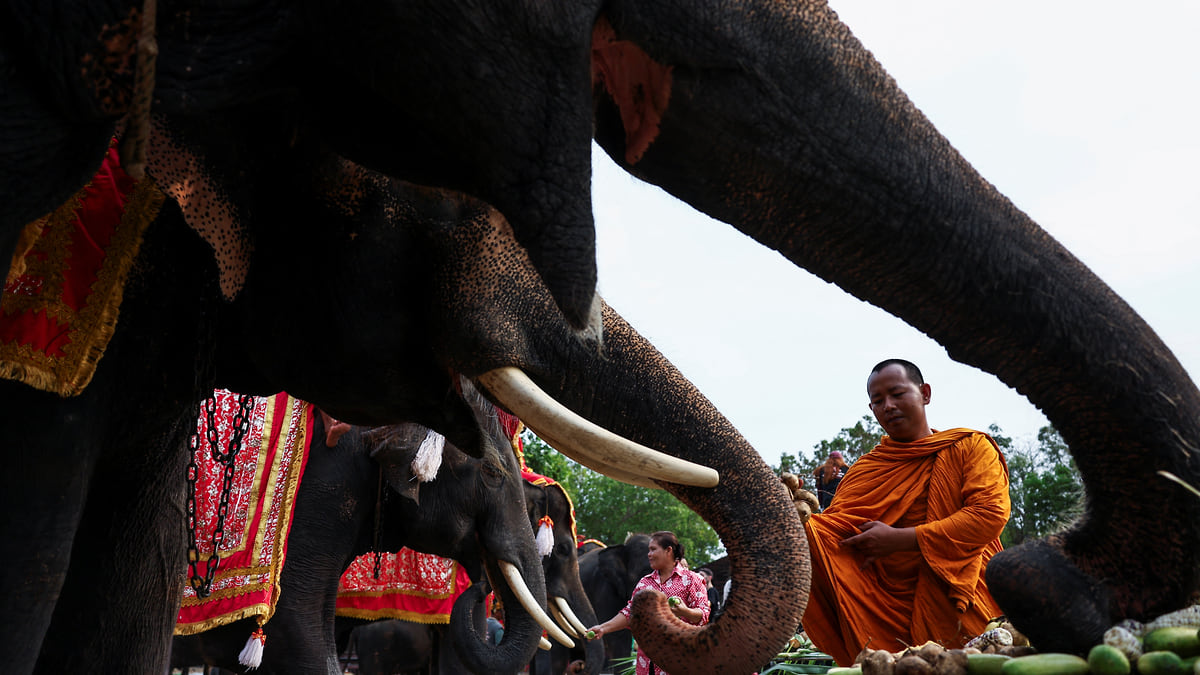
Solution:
(467, 302)
(69, 81)
(550, 506)
(472, 510)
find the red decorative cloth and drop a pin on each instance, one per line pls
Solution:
(413, 586)
(266, 478)
(513, 428)
(63, 287)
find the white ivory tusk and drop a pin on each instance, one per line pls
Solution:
(585, 442)
(562, 621)
(564, 608)
(517, 584)
(544, 644)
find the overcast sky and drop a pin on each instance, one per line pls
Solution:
(1088, 120)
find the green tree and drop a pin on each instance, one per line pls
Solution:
(1044, 486)
(853, 442)
(543, 459)
(610, 510)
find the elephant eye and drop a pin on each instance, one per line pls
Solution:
(493, 473)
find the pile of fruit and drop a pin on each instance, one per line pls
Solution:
(1169, 645)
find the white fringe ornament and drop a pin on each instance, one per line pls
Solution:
(545, 536)
(251, 655)
(429, 456)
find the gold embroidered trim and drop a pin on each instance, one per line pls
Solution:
(92, 326)
(374, 614)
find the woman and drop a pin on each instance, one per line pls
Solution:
(828, 476)
(669, 575)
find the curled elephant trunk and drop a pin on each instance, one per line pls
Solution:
(525, 620)
(756, 521)
(521, 636)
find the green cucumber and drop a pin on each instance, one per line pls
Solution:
(1182, 640)
(1108, 660)
(986, 664)
(1046, 664)
(1160, 663)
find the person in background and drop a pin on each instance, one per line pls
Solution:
(714, 596)
(898, 557)
(668, 575)
(827, 476)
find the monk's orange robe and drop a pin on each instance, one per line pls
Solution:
(953, 488)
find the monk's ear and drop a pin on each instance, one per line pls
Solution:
(926, 392)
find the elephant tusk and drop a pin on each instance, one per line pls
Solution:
(517, 584)
(544, 644)
(564, 608)
(562, 621)
(585, 442)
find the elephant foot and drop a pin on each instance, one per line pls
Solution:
(1049, 599)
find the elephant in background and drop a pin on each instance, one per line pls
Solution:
(341, 514)
(565, 593)
(396, 646)
(609, 576)
(385, 645)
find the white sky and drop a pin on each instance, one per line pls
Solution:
(1088, 120)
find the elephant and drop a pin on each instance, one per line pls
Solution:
(396, 646)
(341, 514)
(609, 576)
(399, 645)
(468, 303)
(769, 116)
(564, 586)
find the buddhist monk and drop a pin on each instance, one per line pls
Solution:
(898, 557)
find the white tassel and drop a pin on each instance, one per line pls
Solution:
(545, 536)
(429, 456)
(251, 655)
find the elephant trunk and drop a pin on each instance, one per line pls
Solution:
(826, 190)
(593, 650)
(646, 400)
(498, 314)
(522, 632)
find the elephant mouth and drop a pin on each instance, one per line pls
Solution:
(586, 443)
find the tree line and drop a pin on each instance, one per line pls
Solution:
(1044, 486)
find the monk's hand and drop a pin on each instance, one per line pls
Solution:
(877, 539)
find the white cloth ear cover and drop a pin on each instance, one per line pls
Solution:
(429, 456)
(545, 536)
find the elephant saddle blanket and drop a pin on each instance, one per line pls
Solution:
(258, 506)
(63, 287)
(413, 586)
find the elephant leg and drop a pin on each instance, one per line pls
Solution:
(119, 603)
(120, 599)
(42, 493)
